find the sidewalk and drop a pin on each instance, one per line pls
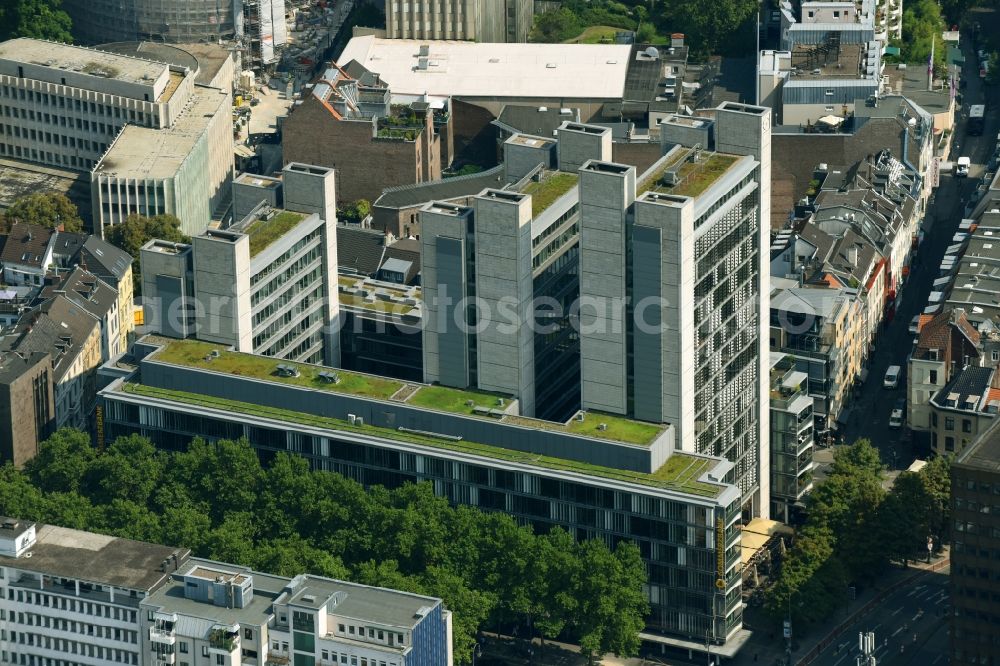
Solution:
(768, 647)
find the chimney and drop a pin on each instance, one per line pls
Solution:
(677, 39)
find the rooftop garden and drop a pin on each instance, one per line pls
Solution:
(264, 232)
(548, 189)
(693, 178)
(197, 354)
(678, 474)
(455, 400)
(212, 357)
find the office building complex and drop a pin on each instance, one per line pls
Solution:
(597, 475)
(72, 596)
(155, 20)
(27, 404)
(673, 283)
(467, 20)
(266, 284)
(975, 576)
(235, 616)
(152, 139)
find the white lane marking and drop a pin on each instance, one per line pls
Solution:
(897, 611)
(898, 629)
(845, 656)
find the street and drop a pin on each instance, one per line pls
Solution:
(871, 405)
(910, 627)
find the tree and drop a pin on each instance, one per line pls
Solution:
(225, 475)
(556, 26)
(612, 607)
(136, 231)
(62, 461)
(129, 470)
(19, 497)
(357, 211)
(712, 27)
(39, 19)
(47, 210)
(922, 26)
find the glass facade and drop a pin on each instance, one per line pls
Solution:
(677, 535)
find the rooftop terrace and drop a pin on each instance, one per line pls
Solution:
(679, 473)
(548, 189)
(209, 356)
(363, 292)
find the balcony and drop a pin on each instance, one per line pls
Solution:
(276, 659)
(165, 659)
(162, 635)
(224, 638)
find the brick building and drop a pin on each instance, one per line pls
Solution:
(351, 122)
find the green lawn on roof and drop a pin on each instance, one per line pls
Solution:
(452, 400)
(545, 192)
(193, 353)
(618, 428)
(264, 232)
(696, 177)
(682, 469)
(678, 479)
(595, 34)
(377, 304)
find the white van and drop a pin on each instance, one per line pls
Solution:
(891, 380)
(962, 167)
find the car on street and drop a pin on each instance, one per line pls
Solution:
(896, 418)
(962, 167)
(891, 379)
(915, 325)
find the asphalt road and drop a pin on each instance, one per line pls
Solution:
(910, 627)
(872, 403)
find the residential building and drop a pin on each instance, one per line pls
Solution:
(597, 475)
(792, 427)
(72, 339)
(373, 137)
(821, 329)
(964, 408)
(946, 343)
(112, 266)
(975, 542)
(466, 20)
(214, 611)
(70, 107)
(27, 254)
(969, 278)
(74, 596)
(100, 301)
(265, 284)
(77, 597)
(27, 404)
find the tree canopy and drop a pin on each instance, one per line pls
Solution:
(218, 500)
(47, 210)
(40, 19)
(835, 548)
(136, 231)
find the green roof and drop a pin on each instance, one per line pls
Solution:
(377, 304)
(693, 178)
(264, 232)
(195, 354)
(679, 473)
(546, 191)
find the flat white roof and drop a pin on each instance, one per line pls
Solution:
(469, 69)
(83, 60)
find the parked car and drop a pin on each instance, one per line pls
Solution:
(962, 167)
(915, 325)
(896, 419)
(891, 379)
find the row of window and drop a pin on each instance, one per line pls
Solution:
(71, 604)
(70, 647)
(393, 638)
(73, 104)
(36, 155)
(70, 626)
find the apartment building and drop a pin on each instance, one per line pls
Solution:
(946, 343)
(72, 339)
(466, 20)
(968, 273)
(822, 330)
(792, 438)
(597, 475)
(69, 107)
(964, 408)
(352, 121)
(975, 547)
(73, 597)
(100, 301)
(27, 404)
(266, 284)
(211, 612)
